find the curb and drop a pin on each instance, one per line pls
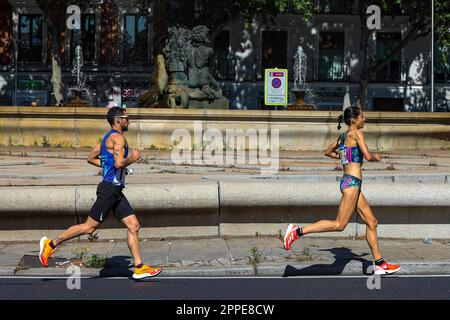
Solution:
(7, 271)
(311, 269)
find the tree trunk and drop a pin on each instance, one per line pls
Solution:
(363, 58)
(56, 80)
(362, 91)
(160, 25)
(56, 68)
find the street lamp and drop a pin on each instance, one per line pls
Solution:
(16, 42)
(432, 55)
(15, 70)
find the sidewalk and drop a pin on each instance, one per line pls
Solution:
(234, 256)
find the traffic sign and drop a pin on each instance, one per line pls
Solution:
(276, 87)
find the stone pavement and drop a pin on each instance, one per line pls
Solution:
(39, 166)
(233, 256)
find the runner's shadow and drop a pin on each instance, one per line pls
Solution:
(342, 257)
(117, 266)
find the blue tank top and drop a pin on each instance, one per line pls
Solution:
(110, 173)
(349, 154)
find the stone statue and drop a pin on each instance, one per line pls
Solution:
(200, 59)
(158, 83)
(187, 59)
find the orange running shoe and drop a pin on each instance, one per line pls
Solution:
(386, 268)
(290, 236)
(45, 251)
(146, 271)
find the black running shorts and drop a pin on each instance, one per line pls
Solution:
(110, 198)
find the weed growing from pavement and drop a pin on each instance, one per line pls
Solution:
(45, 142)
(96, 261)
(280, 235)
(390, 165)
(81, 254)
(305, 256)
(256, 257)
(22, 268)
(93, 236)
(82, 259)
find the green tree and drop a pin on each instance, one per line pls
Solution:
(217, 13)
(419, 16)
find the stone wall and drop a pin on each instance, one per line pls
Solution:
(298, 130)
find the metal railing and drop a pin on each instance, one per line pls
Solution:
(224, 66)
(332, 70)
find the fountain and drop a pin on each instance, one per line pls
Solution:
(300, 89)
(79, 96)
(182, 76)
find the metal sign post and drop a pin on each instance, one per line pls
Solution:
(276, 87)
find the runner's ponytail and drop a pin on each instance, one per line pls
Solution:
(340, 119)
(349, 114)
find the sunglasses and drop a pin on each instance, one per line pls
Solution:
(124, 117)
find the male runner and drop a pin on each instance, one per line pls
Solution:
(112, 156)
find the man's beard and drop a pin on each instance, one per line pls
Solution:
(124, 128)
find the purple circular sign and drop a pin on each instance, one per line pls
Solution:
(276, 83)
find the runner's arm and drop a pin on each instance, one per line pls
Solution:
(94, 156)
(331, 150)
(372, 157)
(119, 152)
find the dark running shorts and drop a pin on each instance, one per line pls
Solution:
(110, 198)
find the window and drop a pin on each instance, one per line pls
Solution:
(135, 40)
(274, 50)
(386, 42)
(331, 56)
(86, 38)
(388, 104)
(30, 39)
(223, 63)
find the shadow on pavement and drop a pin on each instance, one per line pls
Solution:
(29, 261)
(342, 257)
(118, 266)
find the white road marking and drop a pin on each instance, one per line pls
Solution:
(237, 277)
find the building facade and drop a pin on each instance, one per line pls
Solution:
(116, 40)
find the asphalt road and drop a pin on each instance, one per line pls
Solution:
(237, 289)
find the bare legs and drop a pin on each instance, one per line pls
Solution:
(91, 225)
(366, 214)
(132, 224)
(349, 202)
(77, 230)
(346, 208)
